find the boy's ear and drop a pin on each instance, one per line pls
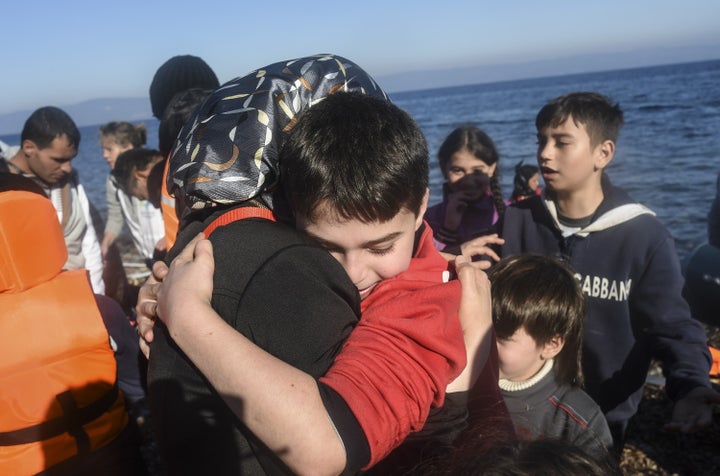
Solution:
(604, 153)
(423, 209)
(553, 347)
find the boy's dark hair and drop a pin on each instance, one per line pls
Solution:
(542, 295)
(530, 457)
(130, 161)
(48, 123)
(363, 156)
(602, 119)
(478, 143)
(124, 133)
(177, 112)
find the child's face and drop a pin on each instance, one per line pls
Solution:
(567, 160)
(111, 150)
(520, 356)
(464, 163)
(369, 252)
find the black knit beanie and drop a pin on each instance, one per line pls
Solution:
(176, 75)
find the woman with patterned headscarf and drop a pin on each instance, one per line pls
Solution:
(271, 291)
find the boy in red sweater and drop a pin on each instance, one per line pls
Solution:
(361, 191)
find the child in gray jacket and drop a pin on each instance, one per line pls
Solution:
(538, 312)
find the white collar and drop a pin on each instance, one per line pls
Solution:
(511, 386)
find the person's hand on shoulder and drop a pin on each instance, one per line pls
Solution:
(475, 317)
(146, 307)
(187, 287)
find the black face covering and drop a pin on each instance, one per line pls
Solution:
(458, 196)
(472, 186)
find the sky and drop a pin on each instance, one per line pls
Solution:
(63, 53)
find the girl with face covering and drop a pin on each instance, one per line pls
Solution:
(472, 199)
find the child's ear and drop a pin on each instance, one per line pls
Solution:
(604, 153)
(552, 347)
(423, 209)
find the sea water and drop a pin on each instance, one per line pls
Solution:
(668, 153)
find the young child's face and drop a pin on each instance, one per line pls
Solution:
(369, 252)
(519, 356)
(111, 150)
(464, 163)
(567, 160)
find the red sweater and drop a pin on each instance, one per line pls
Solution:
(406, 348)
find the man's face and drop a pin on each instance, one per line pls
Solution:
(51, 164)
(369, 252)
(567, 160)
(138, 186)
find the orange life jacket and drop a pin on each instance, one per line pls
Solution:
(58, 393)
(167, 205)
(715, 368)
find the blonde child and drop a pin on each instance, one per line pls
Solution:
(115, 138)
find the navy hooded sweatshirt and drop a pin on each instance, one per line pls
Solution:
(629, 270)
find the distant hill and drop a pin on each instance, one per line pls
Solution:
(88, 113)
(473, 74)
(99, 111)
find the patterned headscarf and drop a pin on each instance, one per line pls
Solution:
(227, 152)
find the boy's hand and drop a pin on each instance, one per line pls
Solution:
(146, 308)
(481, 246)
(188, 284)
(475, 301)
(694, 411)
(475, 317)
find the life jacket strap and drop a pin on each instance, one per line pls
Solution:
(239, 213)
(71, 421)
